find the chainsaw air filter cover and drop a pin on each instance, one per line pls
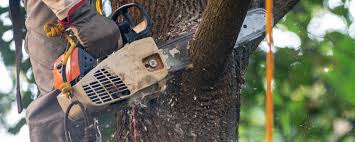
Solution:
(123, 75)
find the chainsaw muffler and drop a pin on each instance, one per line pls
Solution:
(135, 71)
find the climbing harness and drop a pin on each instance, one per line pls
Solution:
(269, 72)
(91, 130)
(53, 30)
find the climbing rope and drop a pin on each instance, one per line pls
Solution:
(269, 72)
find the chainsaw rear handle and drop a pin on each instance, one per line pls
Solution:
(130, 29)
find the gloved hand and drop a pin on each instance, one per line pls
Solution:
(97, 33)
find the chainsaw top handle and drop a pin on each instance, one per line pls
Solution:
(130, 29)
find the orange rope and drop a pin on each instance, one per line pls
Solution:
(269, 73)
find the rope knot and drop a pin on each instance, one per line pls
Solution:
(53, 30)
(65, 88)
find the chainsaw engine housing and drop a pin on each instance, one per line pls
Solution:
(136, 70)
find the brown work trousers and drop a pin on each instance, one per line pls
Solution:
(44, 115)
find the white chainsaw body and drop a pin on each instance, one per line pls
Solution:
(137, 69)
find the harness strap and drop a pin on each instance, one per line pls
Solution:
(54, 30)
(18, 21)
(98, 6)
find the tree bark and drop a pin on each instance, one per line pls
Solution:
(208, 51)
(202, 103)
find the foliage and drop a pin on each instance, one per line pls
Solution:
(313, 86)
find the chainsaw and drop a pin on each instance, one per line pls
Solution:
(135, 72)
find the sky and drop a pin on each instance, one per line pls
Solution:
(323, 21)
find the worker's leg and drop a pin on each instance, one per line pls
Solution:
(98, 34)
(44, 115)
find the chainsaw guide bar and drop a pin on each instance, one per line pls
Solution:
(252, 28)
(176, 51)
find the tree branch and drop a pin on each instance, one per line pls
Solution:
(215, 38)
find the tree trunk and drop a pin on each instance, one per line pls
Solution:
(202, 103)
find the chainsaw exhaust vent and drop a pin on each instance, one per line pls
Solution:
(106, 87)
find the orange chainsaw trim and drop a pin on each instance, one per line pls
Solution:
(72, 69)
(269, 73)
